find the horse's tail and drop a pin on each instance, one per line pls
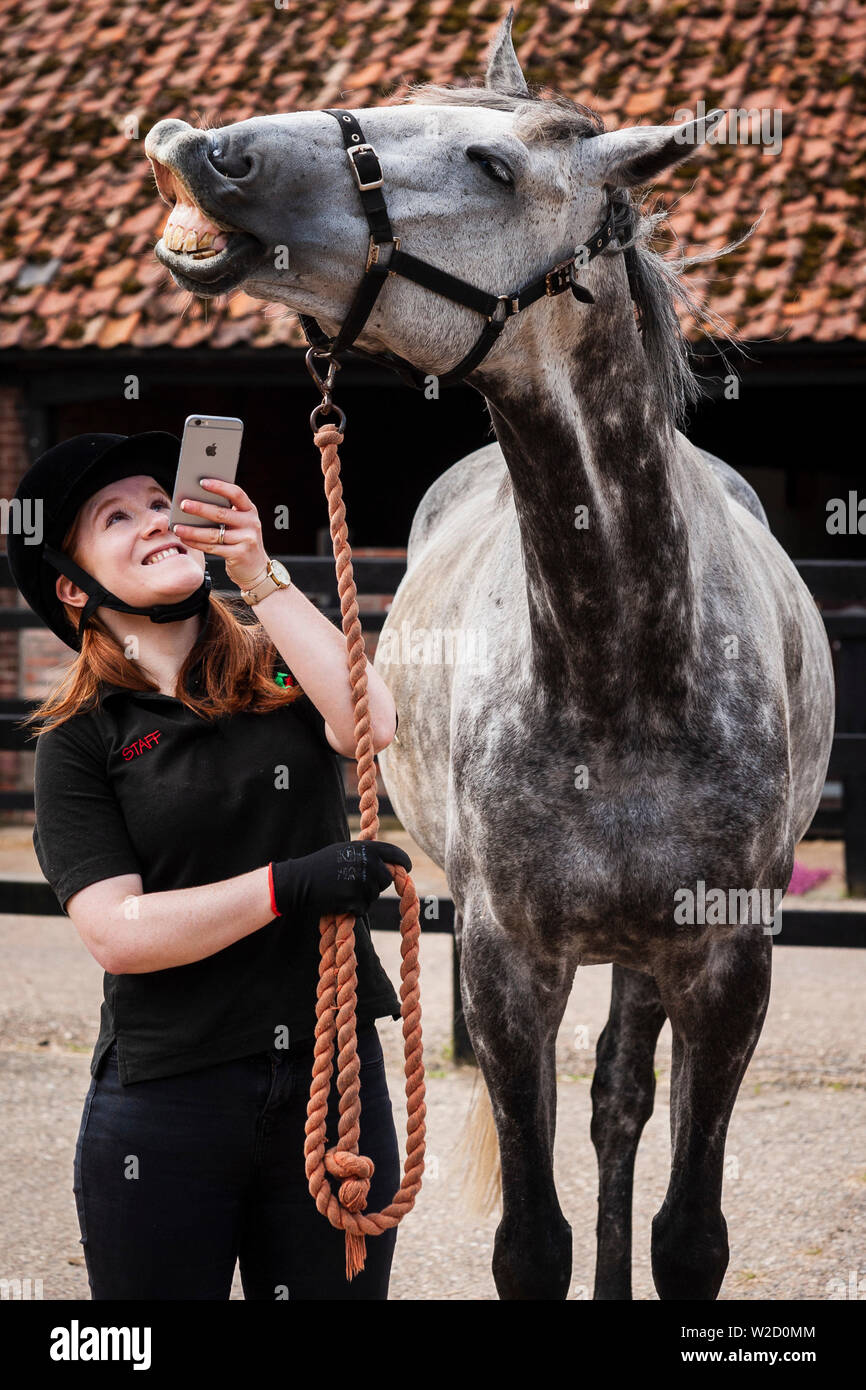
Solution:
(478, 1147)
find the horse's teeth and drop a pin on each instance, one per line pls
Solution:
(193, 243)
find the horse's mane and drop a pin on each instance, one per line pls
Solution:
(655, 281)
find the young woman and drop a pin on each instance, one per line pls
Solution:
(190, 817)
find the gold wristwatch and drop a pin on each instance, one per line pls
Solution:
(277, 577)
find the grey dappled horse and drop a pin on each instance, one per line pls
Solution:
(655, 707)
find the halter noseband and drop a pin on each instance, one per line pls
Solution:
(497, 308)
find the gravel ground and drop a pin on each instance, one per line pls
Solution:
(795, 1185)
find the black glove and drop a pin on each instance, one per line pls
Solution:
(344, 877)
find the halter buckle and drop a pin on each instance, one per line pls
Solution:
(373, 252)
(558, 279)
(364, 149)
(508, 303)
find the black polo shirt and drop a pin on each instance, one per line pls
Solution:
(144, 785)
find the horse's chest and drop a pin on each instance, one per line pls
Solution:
(599, 840)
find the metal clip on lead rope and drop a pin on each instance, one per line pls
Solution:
(324, 385)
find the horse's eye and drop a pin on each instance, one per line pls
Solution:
(493, 166)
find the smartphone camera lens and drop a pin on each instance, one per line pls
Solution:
(198, 422)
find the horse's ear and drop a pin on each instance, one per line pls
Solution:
(503, 70)
(634, 156)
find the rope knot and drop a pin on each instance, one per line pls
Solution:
(355, 1171)
(326, 436)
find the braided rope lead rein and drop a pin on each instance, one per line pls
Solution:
(337, 988)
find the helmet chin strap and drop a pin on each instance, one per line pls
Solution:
(101, 597)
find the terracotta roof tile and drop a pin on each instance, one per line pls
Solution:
(53, 303)
(92, 325)
(118, 330)
(83, 193)
(12, 333)
(644, 104)
(9, 270)
(162, 334)
(115, 272)
(242, 305)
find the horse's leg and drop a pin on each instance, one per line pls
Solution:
(623, 1089)
(514, 998)
(716, 1006)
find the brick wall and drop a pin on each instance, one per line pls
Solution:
(30, 659)
(13, 462)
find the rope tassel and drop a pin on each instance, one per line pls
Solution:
(336, 995)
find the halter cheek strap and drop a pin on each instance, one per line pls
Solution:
(367, 172)
(100, 597)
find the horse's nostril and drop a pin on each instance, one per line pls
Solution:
(231, 163)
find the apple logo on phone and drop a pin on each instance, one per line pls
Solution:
(210, 450)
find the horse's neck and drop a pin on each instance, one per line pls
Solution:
(595, 476)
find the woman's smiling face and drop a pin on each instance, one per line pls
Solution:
(120, 529)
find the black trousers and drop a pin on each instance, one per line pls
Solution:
(177, 1179)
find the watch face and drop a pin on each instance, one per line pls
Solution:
(279, 572)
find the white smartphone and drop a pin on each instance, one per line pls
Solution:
(210, 448)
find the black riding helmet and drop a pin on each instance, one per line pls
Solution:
(62, 480)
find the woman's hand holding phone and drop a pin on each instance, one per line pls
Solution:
(242, 548)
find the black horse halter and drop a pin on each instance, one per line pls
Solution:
(498, 309)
